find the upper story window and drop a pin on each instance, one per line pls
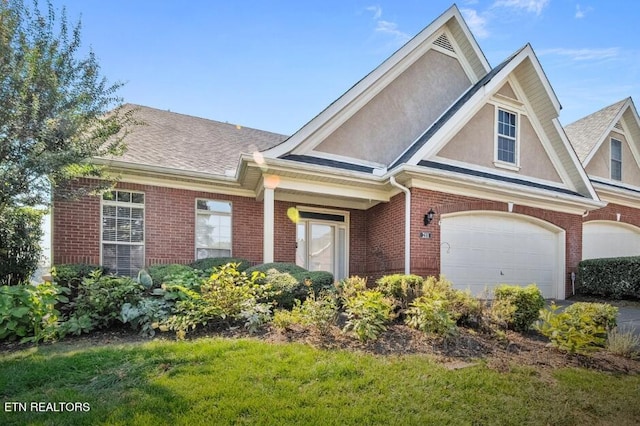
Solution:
(123, 232)
(616, 159)
(213, 228)
(507, 139)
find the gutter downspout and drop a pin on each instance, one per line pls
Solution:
(407, 223)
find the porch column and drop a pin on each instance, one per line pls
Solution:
(267, 248)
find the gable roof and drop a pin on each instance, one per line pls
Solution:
(177, 141)
(340, 110)
(587, 134)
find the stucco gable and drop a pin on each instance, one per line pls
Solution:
(382, 114)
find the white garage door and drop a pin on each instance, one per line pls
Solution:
(609, 239)
(481, 250)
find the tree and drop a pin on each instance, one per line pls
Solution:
(56, 111)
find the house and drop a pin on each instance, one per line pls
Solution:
(608, 145)
(433, 163)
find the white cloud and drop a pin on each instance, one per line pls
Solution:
(477, 23)
(387, 27)
(584, 54)
(535, 6)
(580, 12)
(391, 28)
(376, 10)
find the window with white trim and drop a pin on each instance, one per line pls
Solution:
(123, 232)
(616, 159)
(213, 228)
(507, 139)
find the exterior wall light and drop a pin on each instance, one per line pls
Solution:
(429, 217)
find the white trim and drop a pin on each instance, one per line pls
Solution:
(346, 159)
(269, 233)
(497, 172)
(210, 213)
(407, 223)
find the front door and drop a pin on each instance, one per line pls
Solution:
(322, 243)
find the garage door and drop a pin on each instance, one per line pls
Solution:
(609, 239)
(481, 250)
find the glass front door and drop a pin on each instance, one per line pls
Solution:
(322, 246)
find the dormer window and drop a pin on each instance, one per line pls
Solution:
(507, 141)
(616, 159)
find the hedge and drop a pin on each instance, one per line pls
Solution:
(216, 262)
(616, 277)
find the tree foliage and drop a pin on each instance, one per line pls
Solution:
(56, 111)
(20, 233)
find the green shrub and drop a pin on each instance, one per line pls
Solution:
(215, 262)
(517, 307)
(617, 277)
(70, 276)
(623, 342)
(403, 288)
(159, 273)
(102, 297)
(317, 281)
(368, 314)
(145, 315)
(285, 288)
(20, 233)
(27, 312)
(319, 312)
(284, 318)
(431, 316)
(580, 329)
(349, 287)
(228, 295)
(603, 314)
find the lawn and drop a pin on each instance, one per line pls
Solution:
(247, 381)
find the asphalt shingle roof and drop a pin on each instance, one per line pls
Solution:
(188, 143)
(585, 133)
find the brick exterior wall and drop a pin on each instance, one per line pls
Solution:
(425, 253)
(376, 236)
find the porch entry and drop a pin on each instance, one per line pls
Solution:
(322, 241)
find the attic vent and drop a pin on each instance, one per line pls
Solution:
(618, 126)
(444, 43)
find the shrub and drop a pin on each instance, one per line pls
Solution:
(351, 286)
(431, 316)
(70, 276)
(159, 273)
(623, 342)
(20, 233)
(290, 268)
(602, 314)
(581, 329)
(617, 277)
(216, 262)
(101, 297)
(285, 288)
(517, 307)
(317, 281)
(284, 319)
(27, 312)
(368, 313)
(145, 315)
(403, 288)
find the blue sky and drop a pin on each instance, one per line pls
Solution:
(274, 65)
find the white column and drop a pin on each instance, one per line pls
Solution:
(267, 248)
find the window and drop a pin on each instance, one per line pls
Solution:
(213, 229)
(616, 159)
(123, 232)
(506, 137)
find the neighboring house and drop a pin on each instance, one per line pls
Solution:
(608, 145)
(432, 163)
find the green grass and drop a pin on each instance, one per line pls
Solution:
(219, 381)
